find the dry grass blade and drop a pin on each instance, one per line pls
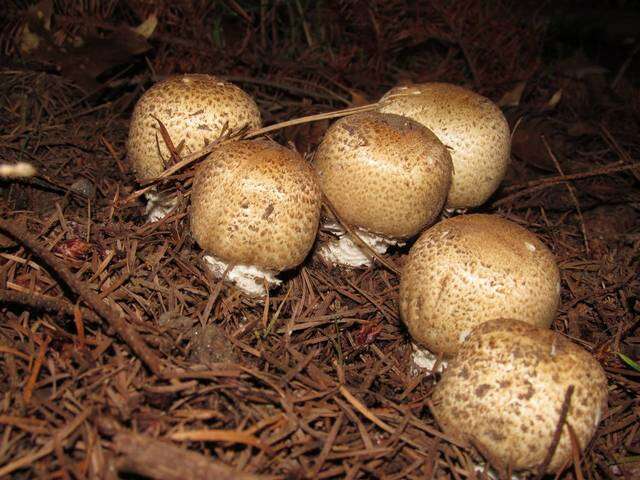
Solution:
(191, 158)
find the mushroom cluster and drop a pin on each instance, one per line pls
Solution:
(386, 176)
(471, 125)
(477, 291)
(194, 110)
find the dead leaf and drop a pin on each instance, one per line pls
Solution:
(512, 97)
(86, 56)
(554, 100)
(358, 98)
(527, 143)
(37, 27)
(610, 221)
(147, 27)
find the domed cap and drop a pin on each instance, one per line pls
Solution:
(471, 125)
(194, 110)
(257, 203)
(384, 173)
(472, 268)
(505, 390)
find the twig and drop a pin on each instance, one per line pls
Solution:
(555, 440)
(46, 303)
(534, 185)
(123, 329)
(571, 192)
(153, 458)
(218, 435)
(312, 118)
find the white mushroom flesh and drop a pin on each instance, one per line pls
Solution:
(159, 205)
(344, 251)
(248, 278)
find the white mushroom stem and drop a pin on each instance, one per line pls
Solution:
(159, 205)
(425, 359)
(344, 250)
(481, 468)
(248, 278)
(452, 212)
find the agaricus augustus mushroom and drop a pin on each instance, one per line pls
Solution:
(194, 109)
(505, 390)
(469, 269)
(386, 175)
(255, 211)
(472, 126)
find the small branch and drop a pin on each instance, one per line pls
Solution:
(541, 184)
(46, 303)
(557, 434)
(549, 181)
(123, 329)
(146, 456)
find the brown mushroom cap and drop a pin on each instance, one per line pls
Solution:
(472, 268)
(471, 125)
(194, 109)
(255, 202)
(384, 173)
(505, 389)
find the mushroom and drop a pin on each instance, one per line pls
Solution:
(471, 125)
(195, 110)
(469, 269)
(385, 175)
(255, 212)
(505, 390)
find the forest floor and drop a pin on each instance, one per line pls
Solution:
(120, 357)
